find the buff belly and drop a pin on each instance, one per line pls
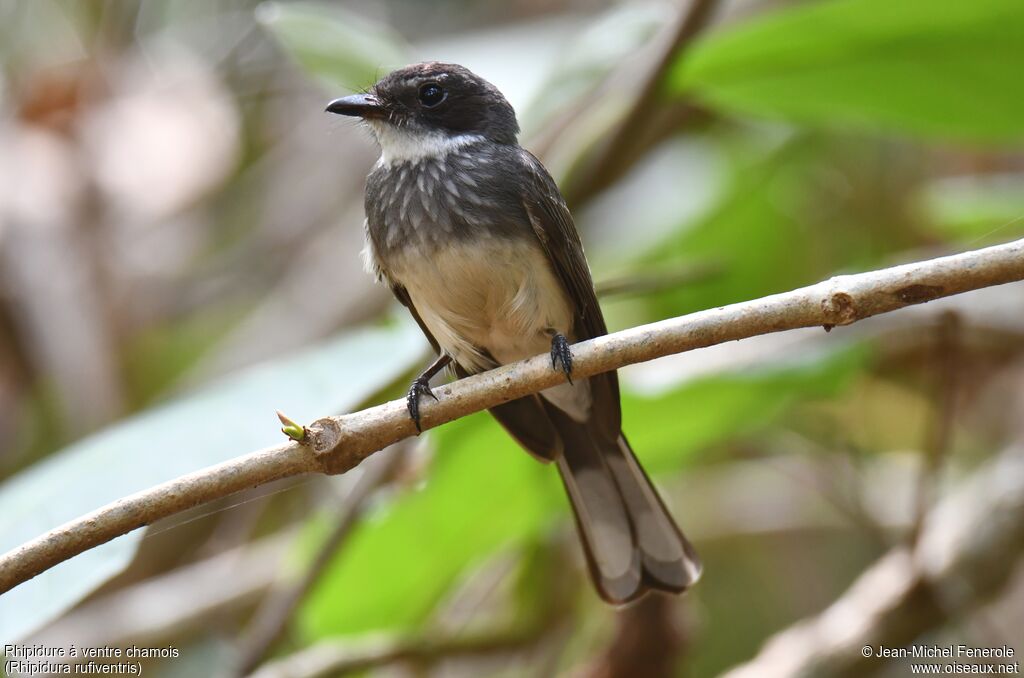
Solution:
(493, 297)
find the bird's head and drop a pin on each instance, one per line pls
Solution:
(422, 109)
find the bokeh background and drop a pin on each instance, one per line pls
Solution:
(180, 226)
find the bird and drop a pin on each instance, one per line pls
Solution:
(474, 238)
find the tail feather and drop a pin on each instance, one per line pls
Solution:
(602, 522)
(630, 539)
(670, 563)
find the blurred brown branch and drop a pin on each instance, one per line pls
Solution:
(272, 619)
(230, 584)
(967, 551)
(337, 444)
(538, 620)
(607, 163)
(940, 430)
(648, 642)
(336, 658)
(176, 604)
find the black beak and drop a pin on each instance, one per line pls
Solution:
(357, 105)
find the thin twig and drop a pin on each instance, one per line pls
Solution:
(337, 444)
(823, 481)
(647, 282)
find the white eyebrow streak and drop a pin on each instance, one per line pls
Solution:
(402, 145)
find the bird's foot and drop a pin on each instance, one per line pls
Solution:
(420, 387)
(561, 356)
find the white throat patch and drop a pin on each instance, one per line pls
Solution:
(398, 145)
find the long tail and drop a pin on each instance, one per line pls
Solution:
(631, 542)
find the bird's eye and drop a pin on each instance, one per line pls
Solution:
(431, 94)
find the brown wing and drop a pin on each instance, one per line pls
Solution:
(553, 225)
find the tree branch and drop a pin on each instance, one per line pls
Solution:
(967, 551)
(337, 444)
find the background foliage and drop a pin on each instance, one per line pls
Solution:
(179, 236)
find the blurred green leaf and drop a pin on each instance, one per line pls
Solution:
(160, 355)
(341, 49)
(484, 493)
(665, 430)
(975, 208)
(944, 68)
(754, 233)
(222, 421)
(788, 218)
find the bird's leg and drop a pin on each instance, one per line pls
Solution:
(561, 356)
(421, 386)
